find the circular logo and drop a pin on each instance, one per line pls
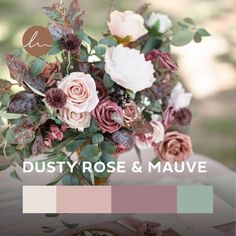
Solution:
(37, 40)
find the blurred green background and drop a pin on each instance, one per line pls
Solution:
(207, 69)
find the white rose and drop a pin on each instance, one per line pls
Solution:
(128, 68)
(145, 141)
(81, 92)
(164, 22)
(126, 23)
(75, 120)
(179, 98)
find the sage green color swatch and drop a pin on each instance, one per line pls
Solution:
(195, 199)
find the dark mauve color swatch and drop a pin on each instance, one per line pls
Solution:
(144, 199)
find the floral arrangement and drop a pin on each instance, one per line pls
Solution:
(98, 98)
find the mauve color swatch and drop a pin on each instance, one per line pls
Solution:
(118, 199)
(144, 199)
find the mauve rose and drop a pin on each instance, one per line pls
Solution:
(101, 90)
(131, 113)
(81, 92)
(164, 60)
(75, 120)
(104, 113)
(176, 147)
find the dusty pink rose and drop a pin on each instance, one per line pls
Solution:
(126, 23)
(176, 147)
(104, 113)
(164, 60)
(147, 140)
(75, 120)
(81, 92)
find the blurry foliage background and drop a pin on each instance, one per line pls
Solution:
(208, 69)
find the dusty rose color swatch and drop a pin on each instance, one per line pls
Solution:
(71, 199)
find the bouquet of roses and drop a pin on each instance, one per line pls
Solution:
(98, 98)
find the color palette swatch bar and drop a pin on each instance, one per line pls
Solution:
(118, 199)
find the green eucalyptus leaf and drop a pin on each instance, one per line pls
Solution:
(182, 38)
(203, 32)
(106, 158)
(73, 146)
(100, 50)
(109, 41)
(84, 53)
(10, 116)
(189, 21)
(91, 152)
(19, 160)
(56, 48)
(155, 106)
(37, 66)
(4, 166)
(154, 30)
(84, 37)
(152, 43)
(197, 37)
(107, 81)
(183, 25)
(93, 129)
(97, 138)
(63, 144)
(14, 175)
(108, 147)
(70, 180)
(5, 99)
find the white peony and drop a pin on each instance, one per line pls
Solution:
(128, 68)
(179, 98)
(164, 22)
(126, 23)
(75, 120)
